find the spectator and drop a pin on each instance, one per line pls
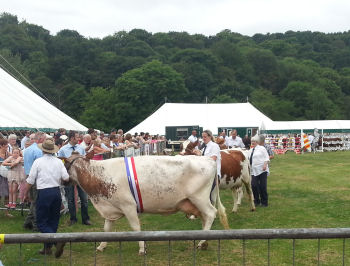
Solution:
(246, 142)
(234, 141)
(267, 147)
(81, 138)
(97, 145)
(12, 143)
(24, 139)
(4, 188)
(31, 139)
(141, 141)
(146, 142)
(30, 154)
(15, 176)
(66, 152)
(59, 143)
(193, 138)
(86, 144)
(62, 131)
(129, 145)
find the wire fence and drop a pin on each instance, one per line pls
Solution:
(196, 235)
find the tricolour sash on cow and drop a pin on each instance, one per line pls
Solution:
(133, 182)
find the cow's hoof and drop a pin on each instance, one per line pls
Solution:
(203, 246)
(142, 252)
(234, 210)
(253, 210)
(99, 249)
(191, 216)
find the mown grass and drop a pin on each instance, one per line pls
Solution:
(305, 191)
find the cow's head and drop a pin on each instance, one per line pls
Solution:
(221, 143)
(76, 159)
(188, 148)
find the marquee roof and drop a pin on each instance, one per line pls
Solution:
(21, 108)
(209, 116)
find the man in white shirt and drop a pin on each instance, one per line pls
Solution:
(48, 172)
(234, 141)
(223, 135)
(193, 138)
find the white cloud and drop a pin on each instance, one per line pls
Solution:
(104, 17)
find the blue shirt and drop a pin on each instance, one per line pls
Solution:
(30, 154)
(66, 150)
(23, 142)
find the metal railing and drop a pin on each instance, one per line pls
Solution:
(242, 234)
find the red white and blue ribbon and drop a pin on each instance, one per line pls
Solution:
(133, 182)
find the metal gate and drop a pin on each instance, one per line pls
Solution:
(195, 236)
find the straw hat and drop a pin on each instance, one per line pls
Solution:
(48, 146)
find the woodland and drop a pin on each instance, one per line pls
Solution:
(119, 80)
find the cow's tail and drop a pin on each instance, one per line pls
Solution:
(221, 208)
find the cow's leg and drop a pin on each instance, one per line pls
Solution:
(248, 187)
(107, 228)
(131, 214)
(239, 194)
(235, 199)
(207, 214)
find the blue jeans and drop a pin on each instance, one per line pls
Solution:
(71, 203)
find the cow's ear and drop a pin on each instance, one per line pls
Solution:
(89, 155)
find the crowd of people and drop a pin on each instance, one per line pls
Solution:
(32, 171)
(35, 170)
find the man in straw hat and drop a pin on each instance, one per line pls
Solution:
(47, 172)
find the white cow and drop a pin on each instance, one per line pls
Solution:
(166, 185)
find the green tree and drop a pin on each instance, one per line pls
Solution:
(99, 111)
(271, 106)
(141, 90)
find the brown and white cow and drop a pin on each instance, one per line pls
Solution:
(221, 143)
(167, 185)
(187, 147)
(235, 173)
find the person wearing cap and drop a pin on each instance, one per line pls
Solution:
(48, 172)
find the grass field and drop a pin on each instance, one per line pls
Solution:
(305, 191)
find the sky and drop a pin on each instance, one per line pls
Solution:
(100, 18)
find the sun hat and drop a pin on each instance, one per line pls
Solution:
(64, 137)
(48, 146)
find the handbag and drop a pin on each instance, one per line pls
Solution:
(4, 171)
